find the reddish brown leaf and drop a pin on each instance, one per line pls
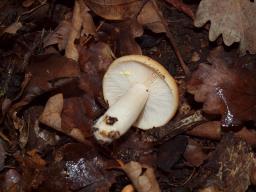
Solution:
(194, 153)
(225, 88)
(47, 68)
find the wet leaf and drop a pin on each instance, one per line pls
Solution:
(235, 25)
(226, 87)
(230, 164)
(80, 167)
(11, 181)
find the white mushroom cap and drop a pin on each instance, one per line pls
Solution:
(162, 101)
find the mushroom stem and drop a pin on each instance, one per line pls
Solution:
(121, 115)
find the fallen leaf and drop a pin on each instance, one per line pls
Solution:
(12, 181)
(208, 130)
(115, 9)
(132, 147)
(212, 130)
(71, 50)
(226, 87)
(59, 36)
(13, 28)
(88, 27)
(194, 153)
(142, 177)
(80, 167)
(2, 155)
(45, 69)
(95, 58)
(67, 117)
(229, 168)
(235, 25)
(178, 4)
(151, 17)
(170, 152)
(28, 3)
(51, 115)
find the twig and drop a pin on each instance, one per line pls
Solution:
(186, 181)
(173, 44)
(35, 8)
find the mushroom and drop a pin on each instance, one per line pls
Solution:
(140, 93)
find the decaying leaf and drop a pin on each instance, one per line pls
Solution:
(142, 177)
(66, 116)
(170, 152)
(234, 19)
(115, 9)
(88, 27)
(229, 168)
(59, 36)
(226, 87)
(13, 28)
(150, 17)
(194, 153)
(80, 167)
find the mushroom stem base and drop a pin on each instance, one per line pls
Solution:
(121, 115)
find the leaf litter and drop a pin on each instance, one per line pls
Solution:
(53, 58)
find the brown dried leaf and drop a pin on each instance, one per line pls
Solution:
(88, 27)
(59, 36)
(225, 88)
(234, 19)
(51, 115)
(142, 177)
(28, 3)
(71, 50)
(67, 116)
(150, 17)
(194, 153)
(115, 9)
(178, 4)
(47, 68)
(13, 28)
(80, 167)
(170, 152)
(229, 168)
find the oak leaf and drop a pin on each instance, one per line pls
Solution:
(234, 19)
(226, 87)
